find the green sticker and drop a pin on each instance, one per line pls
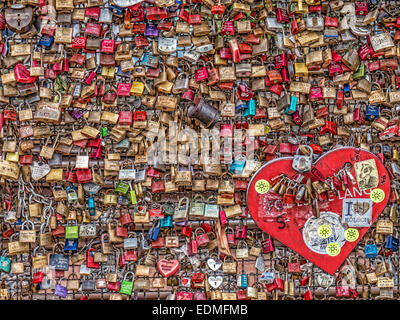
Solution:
(377, 195)
(262, 186)
(333, 249)
(324, 231)
(351, 234)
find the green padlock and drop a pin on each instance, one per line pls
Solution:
(360, 73)
(126, 285)
(132, 195)
(104, 132)
(122, 187)
(71, 232)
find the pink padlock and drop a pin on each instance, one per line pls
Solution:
(222, 218)
(228, 28)
(188, 95)
(192, 247)
(281, 15)
(334, 69)
(107, 45)
(58, 66)
(230, 237)
(226, 130)
(267, 245)
(365, 52)
(88, 80)
(241, 231)
(316, 94)
(357, 114)
(124, 89)
(201, 73)
(280, 61)
(296, 118)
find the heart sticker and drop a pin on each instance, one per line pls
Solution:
(185, 281)
(39, 171)
(168, 267)
(292, 222)
(213, 264)
(215, 281)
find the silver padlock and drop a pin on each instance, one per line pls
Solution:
(396, 169)
(302, 163)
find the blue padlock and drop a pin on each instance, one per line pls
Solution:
(250, 110)
(123, 144)
(123, 74)
(46, 41)
(240, 104)
(71, 245)
(123, 200)
(118, 11)
(371, 112)
(91, 205)
(346, 90)
(293, 106)
(243, 281)
(370, 250)
(392, 243)
(237, 166)
(155, 232)
(166, 222)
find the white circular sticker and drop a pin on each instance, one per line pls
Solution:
(311, 235)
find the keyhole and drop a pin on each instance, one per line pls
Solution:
(19, 19)
(302, 163)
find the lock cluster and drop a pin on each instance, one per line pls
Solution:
(134, 135)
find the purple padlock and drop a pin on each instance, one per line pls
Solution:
(60, 291)
(151, 30)
(76, 114)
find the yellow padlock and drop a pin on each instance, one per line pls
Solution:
(108, 72)
(300, 69)
(12, 156)
(395, 154)
(137, 88)
(110, 199)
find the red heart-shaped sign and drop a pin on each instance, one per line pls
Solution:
(294, 225)
(168, 267)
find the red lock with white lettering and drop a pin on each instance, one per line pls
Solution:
(107, 45)
(201, 73)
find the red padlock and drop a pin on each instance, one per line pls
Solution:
(308, 295)
(90, 259)
(22, 74)
(187, 231)
(222, 218)
(218, 9)
(234, 46)
(339, 99)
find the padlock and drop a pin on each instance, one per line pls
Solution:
(303, 163)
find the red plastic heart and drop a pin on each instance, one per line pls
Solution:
(291, 234)
(168, 267)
